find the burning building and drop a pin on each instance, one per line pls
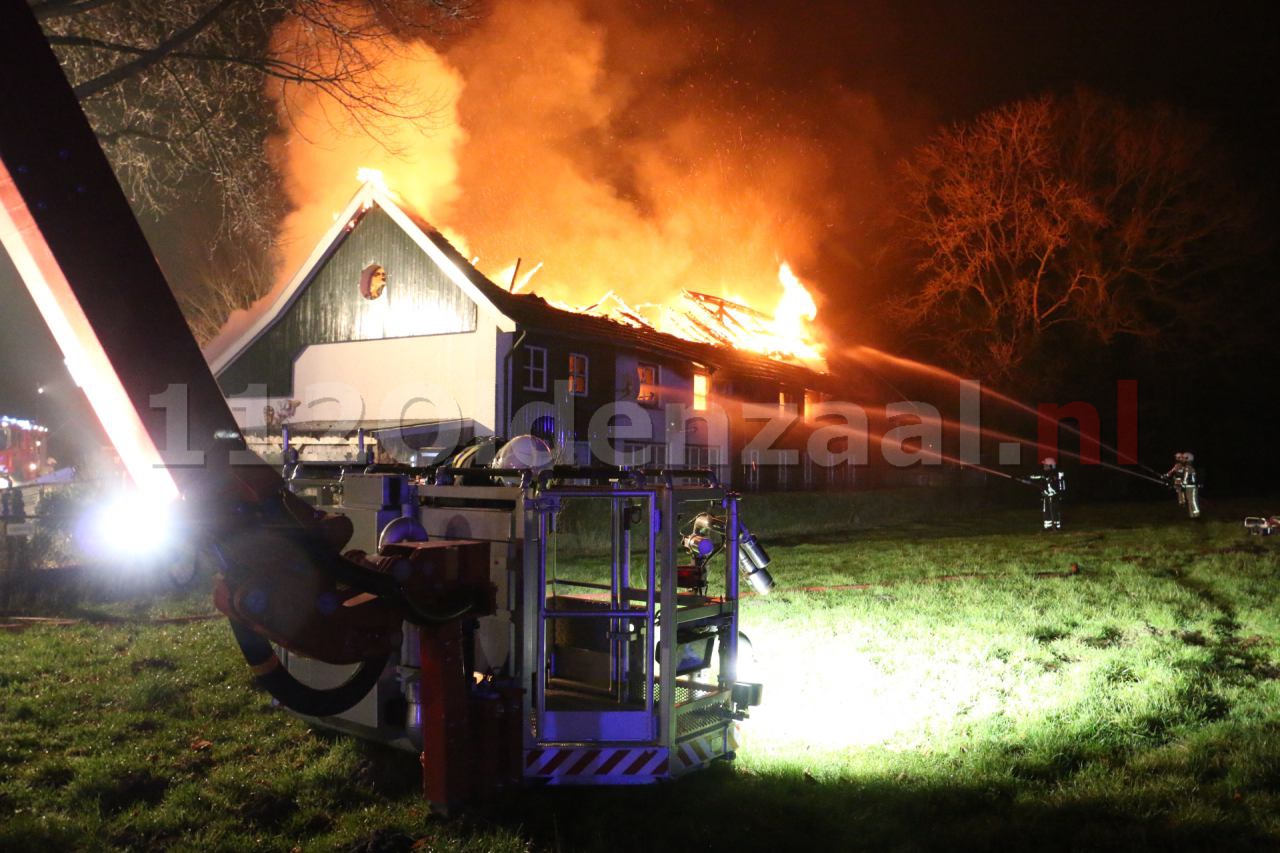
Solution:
(389, 338)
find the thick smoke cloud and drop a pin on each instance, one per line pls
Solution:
(643, 148)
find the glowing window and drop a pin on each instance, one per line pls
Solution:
(811, 401)
(700, 387)
(577, 374)
(535, 368)
(648, 375)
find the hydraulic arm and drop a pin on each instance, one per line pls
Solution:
(69, 230)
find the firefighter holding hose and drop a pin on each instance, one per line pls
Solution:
(1183, 480)
(1052, 485)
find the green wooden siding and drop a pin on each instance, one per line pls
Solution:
(419, 300)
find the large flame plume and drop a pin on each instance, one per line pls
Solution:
(579, 137)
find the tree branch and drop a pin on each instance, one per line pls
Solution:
(153, 55)
(52, 9)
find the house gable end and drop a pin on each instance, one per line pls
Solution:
(420, 299)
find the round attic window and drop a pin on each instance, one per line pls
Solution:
(373, 281)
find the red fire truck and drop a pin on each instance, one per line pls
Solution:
(24, 450)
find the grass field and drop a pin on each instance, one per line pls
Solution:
(930, 685)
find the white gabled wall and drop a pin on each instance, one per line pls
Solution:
(373, 380)
(407, 379)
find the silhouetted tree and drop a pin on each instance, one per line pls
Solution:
(1076, 214)
(223, 282)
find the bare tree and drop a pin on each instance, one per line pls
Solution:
(224, 282)
(178, 93)
(1077, 214)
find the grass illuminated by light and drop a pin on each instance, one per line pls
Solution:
(971, 693)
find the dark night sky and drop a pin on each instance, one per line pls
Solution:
(925, 63)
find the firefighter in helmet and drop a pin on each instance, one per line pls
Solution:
(14, 505)
(1052, 484)
(1183, 480)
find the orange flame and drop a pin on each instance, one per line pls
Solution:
(796, 309)
(703, 318)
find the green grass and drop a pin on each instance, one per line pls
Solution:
(973, 692)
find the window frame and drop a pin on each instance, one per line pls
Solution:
(586, 374)
(530, 370)
(653, 402)
(700, 400)
(812, 399)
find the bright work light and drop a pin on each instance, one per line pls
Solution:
(132, 526)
